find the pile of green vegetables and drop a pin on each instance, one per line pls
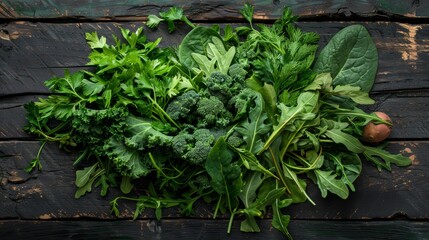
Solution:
(240, 117)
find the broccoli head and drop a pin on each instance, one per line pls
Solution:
(182, 107)
(223, 86)
(193, 147)
(237, 72)
(212, 113)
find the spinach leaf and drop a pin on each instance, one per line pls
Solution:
(195, 42)
(351, 57)
(224, 172)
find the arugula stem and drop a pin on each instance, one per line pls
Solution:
(161, 171)
(231, 220)
(276, 164)
(217, 207)
(80, 158)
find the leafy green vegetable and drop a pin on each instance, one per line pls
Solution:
(173, 14)
(196, 42)
(224, 172)
(350, 57)
(244, 119)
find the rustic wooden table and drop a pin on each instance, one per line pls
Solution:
(41, 38)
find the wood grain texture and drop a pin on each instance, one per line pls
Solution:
(34, 52)
(41, 38)
(209, 10)
(211, 230)
(50, 193)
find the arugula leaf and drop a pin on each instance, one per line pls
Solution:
(349, 141)
(307, 103)
(376, 154)
(349, 166)
(324, 81)
(250, 161)
(281, 221)
(126, 185)
(327, 181)
(83, 176)
(85, 179)
(254, 127)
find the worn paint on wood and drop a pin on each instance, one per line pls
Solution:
(209, 10)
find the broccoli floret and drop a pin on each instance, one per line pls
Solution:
(223, 86)
(235, 140)
(237, 72)
(193, 147)
(183, 106)
(212, 113)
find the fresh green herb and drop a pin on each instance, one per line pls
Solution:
(243, 119)
(173, 14)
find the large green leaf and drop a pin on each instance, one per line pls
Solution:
(195, 42)
(351, 57)
(224, 172)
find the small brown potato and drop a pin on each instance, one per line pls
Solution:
(376, 133)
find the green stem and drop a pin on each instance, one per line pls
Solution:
(217, 207)
(276, 164)
(58, 127)
(231, 220)
(163, 113)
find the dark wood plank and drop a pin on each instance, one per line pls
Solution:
(208, 10)
(50, 193)
(34, 52)
(409, 112)
(211, 230)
